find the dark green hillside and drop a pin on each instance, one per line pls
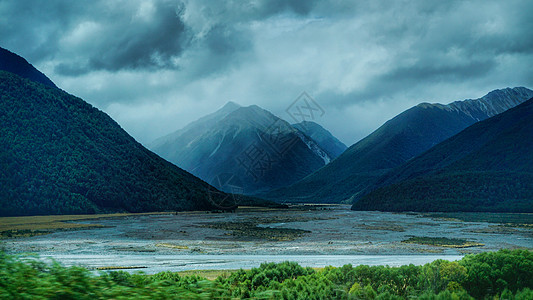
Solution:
(15, 64)
(486, 167)
(60, 155)
(400, 139)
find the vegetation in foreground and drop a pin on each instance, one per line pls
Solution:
(505, 274)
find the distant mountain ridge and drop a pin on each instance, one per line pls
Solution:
(223, 142)
(490, 105)
(60, 155)
(398, 140)
(486, 167)
(16, 64)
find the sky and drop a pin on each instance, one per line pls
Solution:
(154, 66)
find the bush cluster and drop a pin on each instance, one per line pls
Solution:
(505, 274)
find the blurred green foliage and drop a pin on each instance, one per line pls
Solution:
(504, 274)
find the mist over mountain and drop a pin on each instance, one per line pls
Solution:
(251, 145)
(398, 140)
(486, 167)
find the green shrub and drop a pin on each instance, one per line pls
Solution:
(504, 274)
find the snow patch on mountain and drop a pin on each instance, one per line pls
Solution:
(313, 146)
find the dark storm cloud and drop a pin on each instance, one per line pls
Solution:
(129, 41)
(221, 40)
(167, 62)
(142, 44)
(436, 42)
(222, 46)
(123, 35)
(32, 28)
(419, 72)
(123, 40)
(301, 7)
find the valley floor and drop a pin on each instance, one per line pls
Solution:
(311, 235)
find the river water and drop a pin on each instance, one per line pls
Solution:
(157, 263)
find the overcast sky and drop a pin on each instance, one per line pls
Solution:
(155, 66)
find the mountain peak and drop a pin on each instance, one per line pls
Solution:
(230, 105)
(16, 64)
(306, 123)
(252, 145)
(251, 111)
(252, 115)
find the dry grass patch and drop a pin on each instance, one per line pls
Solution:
(108, 268)
(12, 227)
(524, 220)
(384, 227)
(442, 242)
(250, 230)
(172, 246)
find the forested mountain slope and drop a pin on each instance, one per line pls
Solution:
(486, 167)
(60, 155)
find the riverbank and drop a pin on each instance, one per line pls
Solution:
(142, 240)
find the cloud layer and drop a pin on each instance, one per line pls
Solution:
(156, 65)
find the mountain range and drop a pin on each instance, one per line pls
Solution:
(486, 167)
(250, 145)
(60, 155)
(412, 132)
